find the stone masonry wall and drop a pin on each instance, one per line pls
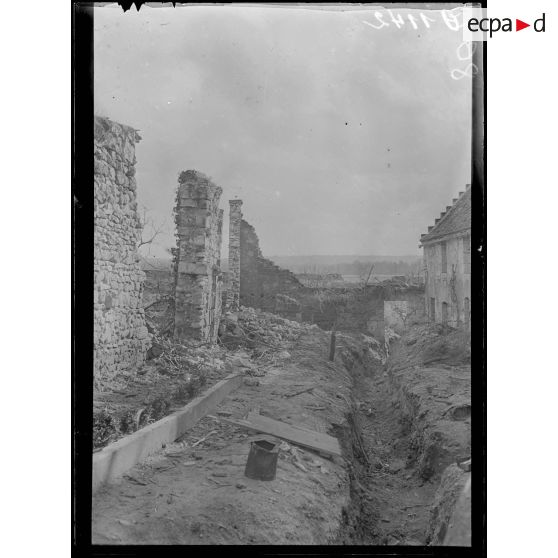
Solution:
(120, 335)
(233, 288)
(198, 279)
(260, 279)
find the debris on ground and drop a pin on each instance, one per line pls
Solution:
(260, 331)
(303, 505)
(401, 417)
(177, 371)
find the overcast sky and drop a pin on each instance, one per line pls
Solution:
(340, 138)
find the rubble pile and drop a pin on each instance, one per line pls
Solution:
(259, 330)
(177, 371)
(173, 374)
(187, 357)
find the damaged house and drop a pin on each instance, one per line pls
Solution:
(447, 261)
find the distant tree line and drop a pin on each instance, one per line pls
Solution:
(360, 268)
(356, 267)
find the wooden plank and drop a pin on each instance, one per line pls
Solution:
(301, 428)
(291, 433)
(117, 458)
(324, 438)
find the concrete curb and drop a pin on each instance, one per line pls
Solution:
(117, 458)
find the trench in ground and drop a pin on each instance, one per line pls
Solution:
(389, 501)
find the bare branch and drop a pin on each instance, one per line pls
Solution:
(148, 222)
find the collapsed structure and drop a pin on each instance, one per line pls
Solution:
(195, 284)
(120, 335)
(447, 260)
(121, 338)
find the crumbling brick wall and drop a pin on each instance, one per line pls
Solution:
(120, 335)
(260, 279)
(197, 266)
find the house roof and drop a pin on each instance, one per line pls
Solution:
(456, 218)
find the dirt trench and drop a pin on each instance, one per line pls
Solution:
(407, 429)
(381, 493)
(389, 501)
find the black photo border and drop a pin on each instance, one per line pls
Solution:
(82, 317)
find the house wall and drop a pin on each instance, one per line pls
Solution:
(197, 267)
(452, 287)
(120, 335)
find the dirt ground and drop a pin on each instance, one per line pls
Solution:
(199, 495)
(399, 423)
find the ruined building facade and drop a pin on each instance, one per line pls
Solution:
(447, 261)
(197, 265)
(261, 281)
(120, 335)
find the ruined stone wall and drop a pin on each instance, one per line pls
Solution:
(197, 265)
(158, 285)
(120, 335)
(406, 308)
(353, 309)
(288, 307)
(359, 309)
(395, 314)
(260, 279)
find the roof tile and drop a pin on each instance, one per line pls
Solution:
(456, 219)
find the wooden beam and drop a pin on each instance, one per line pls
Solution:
(295, 434)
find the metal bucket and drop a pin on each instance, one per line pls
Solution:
(262, 460)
